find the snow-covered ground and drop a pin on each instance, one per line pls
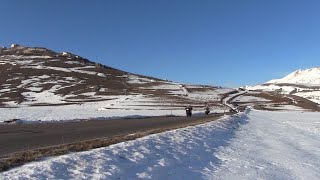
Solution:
(116, 107)
(257, 145)
(312, 96)
(248, 98)
(303, 83)
(308, 93)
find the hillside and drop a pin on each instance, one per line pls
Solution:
(41, 84)
(303, 83)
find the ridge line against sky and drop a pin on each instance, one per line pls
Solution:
(228, 43)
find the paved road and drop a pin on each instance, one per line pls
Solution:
(20, 137)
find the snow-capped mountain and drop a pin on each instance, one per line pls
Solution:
(33, 77)
(303, 83)
(306, 77)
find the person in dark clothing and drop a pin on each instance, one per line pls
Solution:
(189, 111)
(207, 109)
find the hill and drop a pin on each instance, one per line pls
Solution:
(303, 83)
(41, 84)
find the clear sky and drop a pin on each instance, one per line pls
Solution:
(217, 42)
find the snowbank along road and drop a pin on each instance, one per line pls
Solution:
(258, 144)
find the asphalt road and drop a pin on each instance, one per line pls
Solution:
(21, 137)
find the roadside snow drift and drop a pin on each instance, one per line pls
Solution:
(266, 145)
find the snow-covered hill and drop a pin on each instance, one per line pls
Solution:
(305, 77)
(41, 84)
(303, 83)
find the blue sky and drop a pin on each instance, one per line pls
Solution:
(217, 42)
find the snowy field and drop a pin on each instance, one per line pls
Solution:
(255, 145)
(115, 108)
(250, 99)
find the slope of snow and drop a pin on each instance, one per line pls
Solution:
(248, 98)
(272, 87)
(78, 69)
(209, 95)
(310, 94)
(303, 83)
(308, 76)
(133, 79)
(260, 145)
(313, 96)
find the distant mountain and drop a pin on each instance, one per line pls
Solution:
(306, 77)
(303, 83)
(35, 76)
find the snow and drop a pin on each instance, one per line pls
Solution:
(106, 108)
(101, 75)
(4, 90)
(11, 104)
(273, 145)
(72, 62)
(284, 107)
(313, 96)
(114, 107)
(247, 98)
(257, 145)
(209, 95)
(273, 87)
(133, 79)
(70, 78)
(225, 100)
(308, 76)
(167, 86)
(310, 94)
(34, 89)
(22, 57)
(46, 96)
(180, 89)
(64, 69)
(303, 83)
